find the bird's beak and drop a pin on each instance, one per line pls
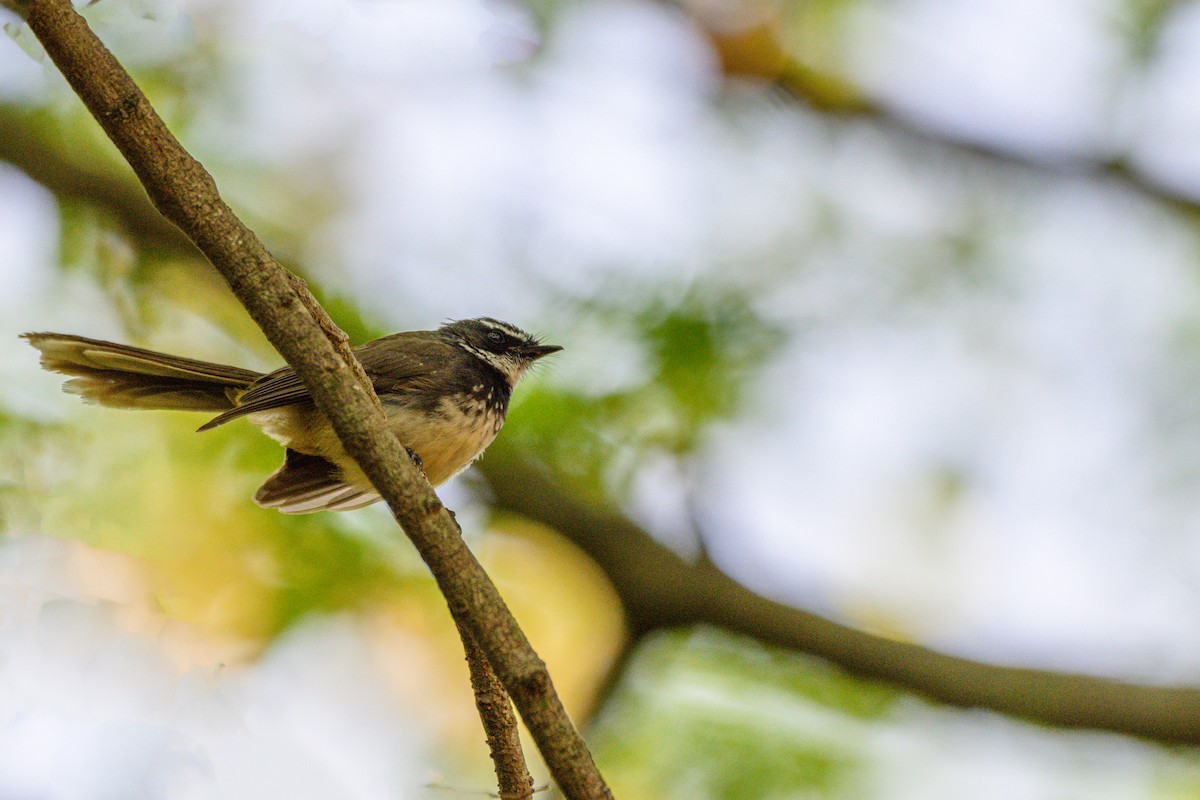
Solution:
(535, 351)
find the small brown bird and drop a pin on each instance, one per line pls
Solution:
(445, 394)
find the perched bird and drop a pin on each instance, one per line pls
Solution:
(445, 393)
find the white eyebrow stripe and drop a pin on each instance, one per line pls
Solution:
(511, 330)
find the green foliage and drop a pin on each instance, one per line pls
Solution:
(16, 436)
(148, 486)
(1177, 780)
(323, 569)
(319, 563)
(1141, 23)
(697, 356)
(703, 352)
(345, 313)
(703, 714)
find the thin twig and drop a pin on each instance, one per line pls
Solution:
(499, 725)
(186, 194)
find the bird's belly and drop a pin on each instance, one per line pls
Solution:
(300, 427)
(447, 438)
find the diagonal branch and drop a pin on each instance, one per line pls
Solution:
(299, 329)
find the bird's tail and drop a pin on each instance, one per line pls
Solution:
(121, 376)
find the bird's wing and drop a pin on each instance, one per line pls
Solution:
(392, 366)
(282, 387)
(415, 363)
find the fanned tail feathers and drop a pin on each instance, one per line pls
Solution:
(121, 376)
(310, 483)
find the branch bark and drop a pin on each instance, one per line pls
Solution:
(300, 330)
(660, 590)
(499, 725)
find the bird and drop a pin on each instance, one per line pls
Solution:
(445, 393)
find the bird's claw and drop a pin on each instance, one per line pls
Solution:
(416, 459)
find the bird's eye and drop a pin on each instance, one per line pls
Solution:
(495, 336)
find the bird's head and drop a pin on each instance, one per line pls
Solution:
(505, 347)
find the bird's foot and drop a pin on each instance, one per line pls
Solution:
(416, 459)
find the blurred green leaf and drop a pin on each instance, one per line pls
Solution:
(1142, 22)
(705, 714)
(701, 355)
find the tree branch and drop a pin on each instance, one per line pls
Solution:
(499, 724)
(26, 142)
(660, 590)
(295, 324)
(1119, 170)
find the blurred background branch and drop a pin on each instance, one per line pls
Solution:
(658, 589)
